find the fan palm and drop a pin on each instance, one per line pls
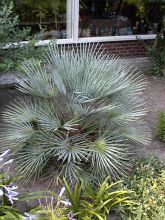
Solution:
(81, 117)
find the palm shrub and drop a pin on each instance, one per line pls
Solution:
(82, 115)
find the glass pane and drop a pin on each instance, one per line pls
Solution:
(110, 18)
(51, 15)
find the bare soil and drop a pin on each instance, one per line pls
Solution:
(155, 96)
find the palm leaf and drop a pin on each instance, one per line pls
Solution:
(83, 117)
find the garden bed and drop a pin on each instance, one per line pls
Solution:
(154, 95)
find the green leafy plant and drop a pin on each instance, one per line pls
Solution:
(9, 32)
(160, 128)
(96, 203)
(147, 182)
(12, 51)
(82, 201)
(83, 118)
(6, 65)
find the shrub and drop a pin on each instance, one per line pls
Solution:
(160, 128)
(147, 182)
(82, 115)
(9, 35)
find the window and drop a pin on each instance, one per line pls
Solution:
(51, 15)
(110, 18)
(83, 20)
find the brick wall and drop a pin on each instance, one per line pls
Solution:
(128, 48)
(124, 49)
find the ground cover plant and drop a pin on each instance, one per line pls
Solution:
(81, 118)
(147, 182)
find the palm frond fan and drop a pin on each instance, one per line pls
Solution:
(82, 117)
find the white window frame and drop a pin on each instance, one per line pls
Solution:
(73, 5)
(75, 32)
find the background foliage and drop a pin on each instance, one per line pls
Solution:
(147, 182)
(153, 11)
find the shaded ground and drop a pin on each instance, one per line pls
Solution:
(155, 95)
(6, 96)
